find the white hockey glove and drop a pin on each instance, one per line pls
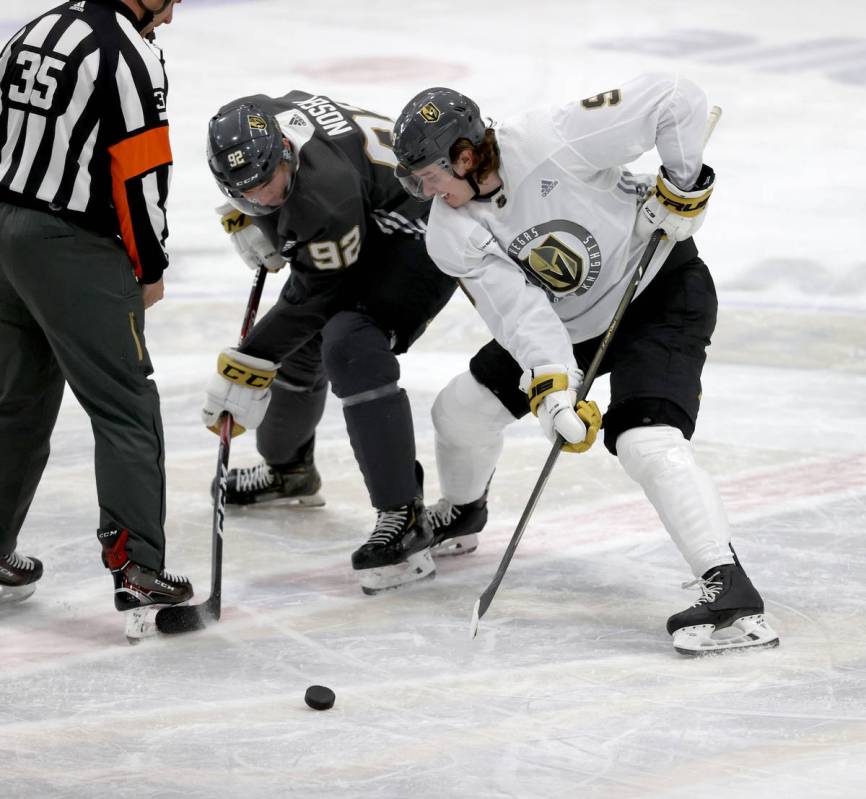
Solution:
(552, 390)
(240, 387)
(678, 212)
(251, 243)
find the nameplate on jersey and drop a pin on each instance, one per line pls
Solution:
(330, 117)
(560, 256)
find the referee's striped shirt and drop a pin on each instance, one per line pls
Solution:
(83, 126)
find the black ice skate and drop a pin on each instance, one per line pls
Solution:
(728, 615)
(18, 576)
(397, 551)
(138, 591)
(297, 485)
(455, 527)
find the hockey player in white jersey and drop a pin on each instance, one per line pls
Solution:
(544, 226)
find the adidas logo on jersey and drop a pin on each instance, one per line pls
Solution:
(548, 186)
(297, 119)
(77, 6)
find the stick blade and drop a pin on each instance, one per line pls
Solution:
(476, 618)
(481, 606)
(187, 618)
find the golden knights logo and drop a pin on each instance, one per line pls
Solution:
(556, 264)
(429, 112)
(560, 256)
(257, 123)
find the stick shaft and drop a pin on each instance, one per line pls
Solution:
(487, 596)
(185, 618)
(219, 509)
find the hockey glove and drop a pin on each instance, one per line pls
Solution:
(251, 243)
(679, 213)
(240, 387)
(552, 390)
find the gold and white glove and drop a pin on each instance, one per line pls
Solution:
(240, 387)
(552, 391)
(679, 213)
(253, 246)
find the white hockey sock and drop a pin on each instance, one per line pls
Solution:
(469, 422)
(684, 495)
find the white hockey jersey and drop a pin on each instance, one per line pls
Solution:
(548, 259)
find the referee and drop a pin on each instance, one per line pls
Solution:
(85, 164)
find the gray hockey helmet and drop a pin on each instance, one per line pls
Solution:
(429, 124)
(245, 145)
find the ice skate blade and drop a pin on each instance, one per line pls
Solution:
(309, 501)
(415, 568)
(748, 632)
(13, 594)
(141, 622)
(312, 501)
(452, 547)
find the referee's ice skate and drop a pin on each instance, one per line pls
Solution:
(728, 615)
(397, 551)
(18, 577)
(139, 592)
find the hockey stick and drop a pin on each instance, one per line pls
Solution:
(483, 601)
(186, 618)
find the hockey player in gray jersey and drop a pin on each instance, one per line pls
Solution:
(544, 226)
(310, 182)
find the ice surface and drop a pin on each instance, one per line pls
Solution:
(571, 688)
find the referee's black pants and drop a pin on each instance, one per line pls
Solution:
(71, 311)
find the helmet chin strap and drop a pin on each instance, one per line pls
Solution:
(148, 14)
(470, 179)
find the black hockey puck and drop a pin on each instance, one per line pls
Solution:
(319, 697)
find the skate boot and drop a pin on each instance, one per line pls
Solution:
(297, 485)
(138, 591)
(398, 550)
(455, 527)
(728, 615)
(18, 576)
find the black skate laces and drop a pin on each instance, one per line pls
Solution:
(442, 514)
(255, 478)
(16, 561)
(389, 524)
(710, 588)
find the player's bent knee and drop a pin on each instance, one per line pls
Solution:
(652, 453)
(357, 355)
(468, 413)
(644, 412)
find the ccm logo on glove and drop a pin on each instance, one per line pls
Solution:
(232, 369)
(240, 387)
